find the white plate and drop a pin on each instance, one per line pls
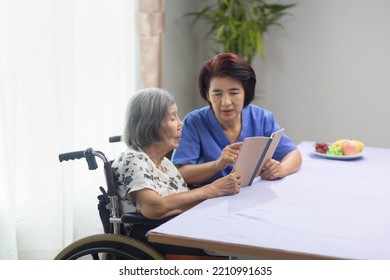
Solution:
(341, 157)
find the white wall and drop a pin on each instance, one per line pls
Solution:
(180, 54)
(185, 50)
(325, 75)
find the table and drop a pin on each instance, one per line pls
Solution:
(329, 209)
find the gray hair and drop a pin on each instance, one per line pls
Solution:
(145, 111)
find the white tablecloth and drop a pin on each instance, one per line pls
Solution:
(334, 208)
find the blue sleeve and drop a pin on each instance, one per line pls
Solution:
(285, 145)
(261, 122)
(202, 141)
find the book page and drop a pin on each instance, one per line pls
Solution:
(254, 152)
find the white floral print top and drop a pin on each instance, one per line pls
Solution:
(133, 171)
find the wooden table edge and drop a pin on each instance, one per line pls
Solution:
(230, 248)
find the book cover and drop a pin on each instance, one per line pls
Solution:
(254, 152)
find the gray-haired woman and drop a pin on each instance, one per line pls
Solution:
(146, 181)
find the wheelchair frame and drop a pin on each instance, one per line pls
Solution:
(117, 242)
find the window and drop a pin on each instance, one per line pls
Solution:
(67, 70)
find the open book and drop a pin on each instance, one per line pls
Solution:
(254, 152)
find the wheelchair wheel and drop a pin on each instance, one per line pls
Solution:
(109, 247)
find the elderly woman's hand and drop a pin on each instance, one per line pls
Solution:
(230, 184)
(229, 155)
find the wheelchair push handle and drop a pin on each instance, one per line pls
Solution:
(71, 156)
(114, 139)
(89, 154)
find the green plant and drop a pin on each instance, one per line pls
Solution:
(237, 26)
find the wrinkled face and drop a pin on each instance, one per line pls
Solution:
(171, 127)
(226, 96)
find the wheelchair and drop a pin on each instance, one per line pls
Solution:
(124, 236)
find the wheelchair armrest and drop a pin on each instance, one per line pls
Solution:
(138, 218)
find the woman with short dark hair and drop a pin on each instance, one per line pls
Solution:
(213, 135)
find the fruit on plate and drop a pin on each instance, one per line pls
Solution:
(348, 146)
(321, 147)
(335, 151)
(339, 142)
(360, 144)
(340, 147)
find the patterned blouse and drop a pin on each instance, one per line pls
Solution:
(133, 171)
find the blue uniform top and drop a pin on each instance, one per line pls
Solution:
(203, 138)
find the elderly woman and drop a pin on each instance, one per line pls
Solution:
(145, 179)
(212, 135)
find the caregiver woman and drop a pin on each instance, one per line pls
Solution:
(212, 135)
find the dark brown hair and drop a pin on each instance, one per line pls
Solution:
(231, 65)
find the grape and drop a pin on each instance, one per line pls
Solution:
(335, 151)
(321, 147)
